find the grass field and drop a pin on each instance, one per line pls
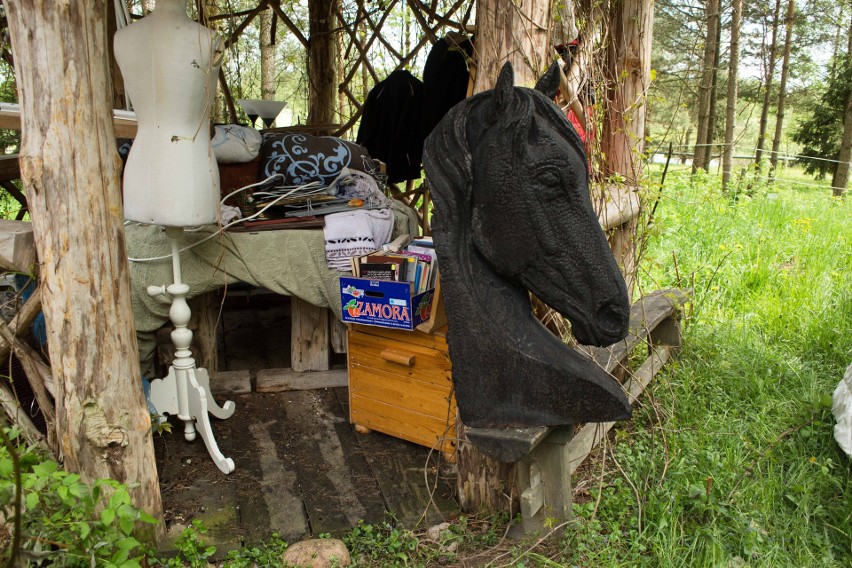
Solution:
(730, 458)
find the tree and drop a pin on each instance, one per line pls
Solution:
(782, 87)
(510, 31)
(267, 55)
(841, 175)
(767, 85)
(322, 62)
(701, 156)
(70, 169)
(733, 82)
(826, 130)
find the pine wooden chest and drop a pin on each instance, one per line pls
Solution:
(400, 383)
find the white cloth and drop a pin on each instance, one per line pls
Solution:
(234, 144)
(355, 233)
(842, 410)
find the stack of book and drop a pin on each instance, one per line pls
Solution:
(417, 263)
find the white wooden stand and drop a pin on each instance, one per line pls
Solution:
(185, 390)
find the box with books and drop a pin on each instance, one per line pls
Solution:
(391, 289)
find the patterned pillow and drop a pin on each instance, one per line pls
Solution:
(303, 158)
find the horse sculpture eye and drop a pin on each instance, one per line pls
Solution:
(550, 183)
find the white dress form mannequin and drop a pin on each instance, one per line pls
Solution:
(170, 66)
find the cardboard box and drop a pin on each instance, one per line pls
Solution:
(384, 303)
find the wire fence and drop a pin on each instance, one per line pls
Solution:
(745, 154)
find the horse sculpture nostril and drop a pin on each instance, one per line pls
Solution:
(613, 319)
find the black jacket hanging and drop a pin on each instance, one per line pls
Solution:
(390, 126)
(445, 78)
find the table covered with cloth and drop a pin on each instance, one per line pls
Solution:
(290, 262)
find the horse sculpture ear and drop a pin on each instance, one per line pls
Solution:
(549, 82)
(504, 86)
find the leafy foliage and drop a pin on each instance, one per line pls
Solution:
(65, 521)
(820, 134)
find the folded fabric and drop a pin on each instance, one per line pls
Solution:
(355, 233)
(355, 184)
(234, 144)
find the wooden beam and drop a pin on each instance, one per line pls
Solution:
(124, 127)
(290, 25)
(309, 343)
(235, 35)
(17, 246)
(10, 168)
(620, 205)
(20, 324)
(279, 380)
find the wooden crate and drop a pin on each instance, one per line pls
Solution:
(400, 383)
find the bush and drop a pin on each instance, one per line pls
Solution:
(64, 521)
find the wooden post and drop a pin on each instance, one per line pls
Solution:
(309, 343)
(322, 62)
(511, 31)
(205, 313)
(516, 32)
(623, 140)
(70, 168)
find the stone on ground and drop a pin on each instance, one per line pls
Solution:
(317, 553)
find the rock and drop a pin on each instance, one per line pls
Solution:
(317, 553)
(436, 532)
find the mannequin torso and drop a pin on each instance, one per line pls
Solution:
(170, 65)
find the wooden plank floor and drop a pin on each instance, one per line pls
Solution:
(300, 468)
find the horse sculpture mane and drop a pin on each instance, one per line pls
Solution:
(509, 179)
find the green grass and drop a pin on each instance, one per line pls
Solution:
(731, 450)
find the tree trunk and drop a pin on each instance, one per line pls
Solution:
(267, 56)
(322, 62)
(701, 154)
(623, 141)
(840, 181)
(782, 89)
(767, 86)
(713, 107)
(70, 169)
(511, 31)
(507, 32)
(731, 103)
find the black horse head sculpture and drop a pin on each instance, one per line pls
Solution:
(512, 214)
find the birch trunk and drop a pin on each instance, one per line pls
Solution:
(267, 56)
(70, 169)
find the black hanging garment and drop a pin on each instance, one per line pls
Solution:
(390, 126)
(445, 78)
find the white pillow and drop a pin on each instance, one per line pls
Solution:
(233, 144)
